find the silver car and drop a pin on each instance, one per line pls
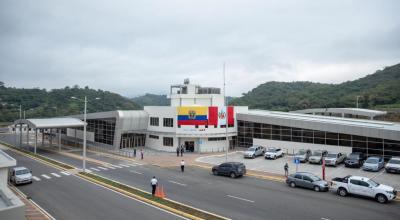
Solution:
(307, 180)
(317, 156)
(254, 151)
(333, 159)
(20, 175)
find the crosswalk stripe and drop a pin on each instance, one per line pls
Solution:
(65, 173)
(45, 176)
(95, 169)
(55, 174)
(115, 166)
(35, 178)
(103, 168)
(111, 167)
(124, 165)
(88, 171)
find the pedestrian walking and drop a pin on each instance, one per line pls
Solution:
(182, 151)
(134, 152)
(177, 150)
(286, 167)
(141, 154)
(154, 183)
(182, 166)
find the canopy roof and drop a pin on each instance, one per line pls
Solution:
(51, 122)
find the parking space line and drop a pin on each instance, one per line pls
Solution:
(240, 198)
(103, 168)
(95, 169)
(45, 176)
(378, 174)
(55, 174)
(35, 178)
(132, 171)
(181, 184)
(65, 173)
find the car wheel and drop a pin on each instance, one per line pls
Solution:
(342, 192)
(292, 184)
(232, 175)
(215, 172)
(317, 189)
(254, 156)
(274, 157)
(381, 198)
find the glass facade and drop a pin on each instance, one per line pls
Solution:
(368, 145)
(103, 130)
(132, 140)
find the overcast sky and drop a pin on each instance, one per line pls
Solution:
(133, 47)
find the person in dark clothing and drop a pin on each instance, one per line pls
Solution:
(177, 150)
(286, 167)
(134, 152)
(183, 166)
(141, 154)
(182, 151)
(153, 183)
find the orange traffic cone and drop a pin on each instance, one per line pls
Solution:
(157, 194)
(162, 194)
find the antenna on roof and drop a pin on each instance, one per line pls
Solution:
(186, 81)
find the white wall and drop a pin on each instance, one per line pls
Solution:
(212, 146)
(158, 143)
(291, 147)
(79, 134)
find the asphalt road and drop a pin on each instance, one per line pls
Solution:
(244, 198)
(70, 197)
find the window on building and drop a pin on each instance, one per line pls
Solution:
(154, 121)
(168, 122)
(217, 139)
(153, 136)
(168, 141)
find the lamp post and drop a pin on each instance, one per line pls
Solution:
(84, 131)
(357, 100)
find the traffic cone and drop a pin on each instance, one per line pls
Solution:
(157, 194)
(162, 194)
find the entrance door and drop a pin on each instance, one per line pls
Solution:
(189, 146)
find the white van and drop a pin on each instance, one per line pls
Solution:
(20, 175)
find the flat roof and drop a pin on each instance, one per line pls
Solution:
(353, 111)
(51, 122)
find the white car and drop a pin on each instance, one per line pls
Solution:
(273, 153)
(363, 186)
(20, 175)
(254, 151)
(393, 165)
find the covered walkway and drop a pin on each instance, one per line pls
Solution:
(43, 124)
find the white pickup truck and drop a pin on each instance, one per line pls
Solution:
(363, 186)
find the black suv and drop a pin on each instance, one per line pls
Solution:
(232, 169)
(355, 159)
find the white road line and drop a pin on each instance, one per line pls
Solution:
(116, 166)
(65, 173)
(45, 176)
(111, 167)
(103, 168)
(378, 174)
(181, 184)
(55, 174)
(325, 219)
(35, 178)
(88, 171)
(123, 165)
(132, 171)
(95, 169)
(135, 163)
(240, 198)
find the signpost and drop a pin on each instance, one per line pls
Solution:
(323, 168)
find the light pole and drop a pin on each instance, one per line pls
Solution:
(226, 119)
(84, 131)
(357, 100)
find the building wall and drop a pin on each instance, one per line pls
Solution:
(79, 134)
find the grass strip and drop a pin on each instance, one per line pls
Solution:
(169, 203)
(54, 162)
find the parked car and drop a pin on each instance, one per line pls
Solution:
(254, 151)
(333, 159)
(273, 153)
(317, 156)
(393, 165)
(307, 180)
(20, 175)
(355, 159)
(373, 164)
(303, 155)
(363, 186)
(232, 169)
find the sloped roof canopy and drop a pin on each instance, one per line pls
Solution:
(51, 122)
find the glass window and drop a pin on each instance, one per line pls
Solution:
(154, 121)
(153, 136)
(168, 141)
(168, 122)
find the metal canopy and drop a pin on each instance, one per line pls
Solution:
(51, 122)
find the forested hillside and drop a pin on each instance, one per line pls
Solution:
(151, 100)
(378, 90)
(57, 102)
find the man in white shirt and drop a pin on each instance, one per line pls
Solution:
(182, 166)
(153, 182)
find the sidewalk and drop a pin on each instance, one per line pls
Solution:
(32, 212)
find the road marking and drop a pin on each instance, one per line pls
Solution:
(123, 165)
(45, 176)
(103, 168)
(132, 171)
(55, 174)
(35, 178)
(88, 171)
(378, 174)
(115, 166)
(95, 169)
(65, 173)
(111, 167)
(181, 184)
(240, 198)
(325, 219)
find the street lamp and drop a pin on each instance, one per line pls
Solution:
(357, 100)
(84, 131)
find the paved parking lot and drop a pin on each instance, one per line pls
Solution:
(276, 167)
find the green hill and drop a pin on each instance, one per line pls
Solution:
(39, 103)
(378, 90)
(151, 100)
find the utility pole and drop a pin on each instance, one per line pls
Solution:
(357, 100)
(84, 138)
(226, 118)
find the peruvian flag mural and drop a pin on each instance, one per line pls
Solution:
(221, 115)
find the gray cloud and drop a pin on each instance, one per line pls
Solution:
(133, 47)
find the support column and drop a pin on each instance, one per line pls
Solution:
(20, 135)
(42, 137)
(35, 140)
(76, 142)
(51, 137)
(27, 135)
(59, 139)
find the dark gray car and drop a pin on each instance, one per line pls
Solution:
(303, 154)
(307, 180)
(232, 169)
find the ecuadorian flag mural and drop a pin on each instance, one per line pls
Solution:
(213, 115)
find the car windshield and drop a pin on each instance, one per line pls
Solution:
(301, 152)
(317, 153)
(20, 172)
(373, 183)
(372, 160)
(394, 161)
(314, 178)
(251, 149)
(331, 155)
(271, 150)
(354, 156)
